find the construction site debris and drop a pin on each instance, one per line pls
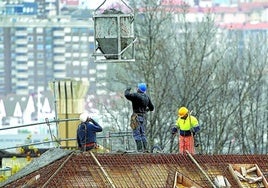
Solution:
(221, 182)
(247, 175)
(31, 181)
(239, 175)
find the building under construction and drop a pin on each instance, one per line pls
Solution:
(65, 168)
(60, 167)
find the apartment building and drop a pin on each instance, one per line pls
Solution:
(38, 45)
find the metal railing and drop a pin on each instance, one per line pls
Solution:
(39, 123)
(107, 140)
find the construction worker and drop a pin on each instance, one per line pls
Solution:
(188, 126)
(141, 104)
(86, 132)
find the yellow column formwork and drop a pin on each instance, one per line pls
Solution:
(70, 99)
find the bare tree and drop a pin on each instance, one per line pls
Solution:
(215, 73)
(247, 75)
(154, 65)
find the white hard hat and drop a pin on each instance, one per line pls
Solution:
(83, 117)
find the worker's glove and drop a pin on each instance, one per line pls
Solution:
(92, 120)
(174, 130)
(88, 119)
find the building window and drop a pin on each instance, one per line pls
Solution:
(30, 38)
(40, 39)
(91, 32)
(39, 30)
(91, 46)
(40, 56)
(67, 38)
(48, 47)
(31, 55)
(40, 47)
(75, 39)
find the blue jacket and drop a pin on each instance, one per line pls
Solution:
(86, 132)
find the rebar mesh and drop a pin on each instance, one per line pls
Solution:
(137, 170)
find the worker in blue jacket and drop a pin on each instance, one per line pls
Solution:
(86, 132)
(141, 104)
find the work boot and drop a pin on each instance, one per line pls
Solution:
(139, 145)
(145, 147)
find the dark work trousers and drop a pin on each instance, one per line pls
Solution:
(139, 133)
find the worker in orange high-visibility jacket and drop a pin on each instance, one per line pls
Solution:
(188, 126)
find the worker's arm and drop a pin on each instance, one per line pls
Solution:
(95, 126)
(150, 105)
(194, 124)
(127, 92)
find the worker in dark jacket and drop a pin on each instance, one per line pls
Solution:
(141, 103)
(86, 132)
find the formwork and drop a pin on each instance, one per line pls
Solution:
(138, 170)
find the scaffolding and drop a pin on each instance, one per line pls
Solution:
(113, 141)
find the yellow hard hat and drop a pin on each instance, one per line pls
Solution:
(182, 111)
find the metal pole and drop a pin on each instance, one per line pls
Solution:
(60, 140)
(200, 168)
(55, 173)
(48, 124)
(102, 169)
(39, 123)
(55, 106)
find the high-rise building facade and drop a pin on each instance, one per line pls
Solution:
(36, 52)
(38, 46)
(38, 43)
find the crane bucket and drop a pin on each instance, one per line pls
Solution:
(113, 35)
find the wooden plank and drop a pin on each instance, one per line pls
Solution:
(259, 173)
(252, 169)
(239, 175)
(253, 174)
(243, 171)
(234, 175)
(103, 171)
(177, 179)
(219, 181)
(228, 185)
(200, 168)
(182, 181)
(31, 181)
(253, 179)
